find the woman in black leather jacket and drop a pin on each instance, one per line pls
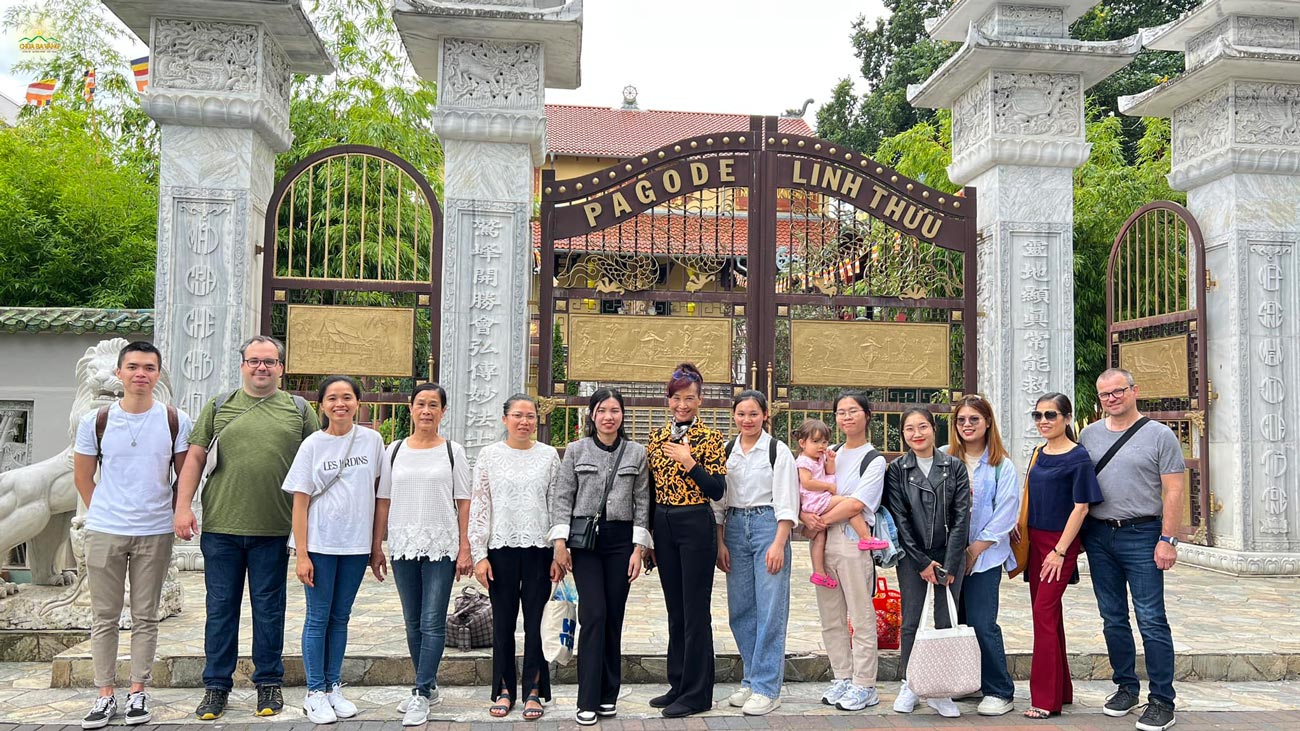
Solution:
(928, 493)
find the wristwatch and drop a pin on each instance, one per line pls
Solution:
(1171, 540)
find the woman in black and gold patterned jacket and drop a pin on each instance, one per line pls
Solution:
(688, 467)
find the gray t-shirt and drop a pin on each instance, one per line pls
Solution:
(1131, 481)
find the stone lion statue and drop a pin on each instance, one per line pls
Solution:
(38, 502)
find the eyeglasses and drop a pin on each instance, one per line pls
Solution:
(846, 413)
(522, 415)
(256, 363)
(1044, 415)
(1107, 395)
(972, 420)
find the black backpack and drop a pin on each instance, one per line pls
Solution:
(771, 449)
(867, 458)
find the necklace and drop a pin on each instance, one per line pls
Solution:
(135, 435)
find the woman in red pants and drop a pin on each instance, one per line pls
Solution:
(1062, 484)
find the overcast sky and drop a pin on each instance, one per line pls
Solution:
(742, 56)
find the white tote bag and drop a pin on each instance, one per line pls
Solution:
(945, 663)
(560, 622)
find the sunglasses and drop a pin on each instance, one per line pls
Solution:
(972, 420)
(1044, 415)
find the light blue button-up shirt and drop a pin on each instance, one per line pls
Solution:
(995, 508)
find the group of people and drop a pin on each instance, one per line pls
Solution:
(522, 518)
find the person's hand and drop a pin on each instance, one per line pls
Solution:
(680, 453)
(464, 563)
(1052, 564)
(304, 570)
(647, 560)
(812, 524)
(184, 523)
(775, 558)
(378, 564)
(1166, 556)
(634, 563)
(1015, 533)
(723, 561)
(973, 552)
(483, 572)
(928, 573)
(557, 572)
(560, 554)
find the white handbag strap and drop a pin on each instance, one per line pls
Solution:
(927, 609)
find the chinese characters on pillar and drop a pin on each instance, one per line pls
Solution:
(487, 311)
(1035, 337)
(1270, 386)
(199, 225)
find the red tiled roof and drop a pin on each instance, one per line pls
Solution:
(605, 132)
(708, 235)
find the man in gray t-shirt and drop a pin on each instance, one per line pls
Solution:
(1131, 540)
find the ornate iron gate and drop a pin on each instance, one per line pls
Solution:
(773, 261)
(1155, 329)
(354, 274)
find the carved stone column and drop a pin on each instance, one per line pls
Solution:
(219, 91)
(1017, 138)
(492, 67)
(1236, 151)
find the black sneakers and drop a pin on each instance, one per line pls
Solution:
(1157, 717)
(103, 711)
(212, 705)
(137, 708)
(270, 700)
(1120, 703)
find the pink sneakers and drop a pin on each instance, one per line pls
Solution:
(872, 544)
(824, 580)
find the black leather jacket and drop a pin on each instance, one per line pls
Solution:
(933, 523)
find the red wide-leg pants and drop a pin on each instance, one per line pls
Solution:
(1049, 673)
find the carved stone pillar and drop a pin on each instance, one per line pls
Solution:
(219, 91)
(1017, 138)
(492, 67)
(1236, 151)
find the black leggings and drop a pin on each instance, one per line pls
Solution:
(519, 576)
(686, 548)
(601, 576)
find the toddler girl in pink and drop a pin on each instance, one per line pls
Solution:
(816, 463)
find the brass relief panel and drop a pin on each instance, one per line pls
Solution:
(623, 348)
(888, 354)
(1159, 367)
(371, 341)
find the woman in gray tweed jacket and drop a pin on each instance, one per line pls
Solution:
(605, 571)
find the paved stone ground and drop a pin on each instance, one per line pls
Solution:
(1201, 705)
(1225, 628)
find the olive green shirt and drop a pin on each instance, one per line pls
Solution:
(242, 496)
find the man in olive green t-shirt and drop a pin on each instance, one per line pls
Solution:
(246, 521)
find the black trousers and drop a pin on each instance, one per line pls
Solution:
(601, 576)
(519, 576)
(686, 547)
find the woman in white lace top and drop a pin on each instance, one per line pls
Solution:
(423, 505)
(508, 526)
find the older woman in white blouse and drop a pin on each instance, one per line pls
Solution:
(508, 525)
(755, 519)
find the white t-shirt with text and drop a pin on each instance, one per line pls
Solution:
(133, 495)
(339, 522)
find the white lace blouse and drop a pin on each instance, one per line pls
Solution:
(509, 503)
(424, 488)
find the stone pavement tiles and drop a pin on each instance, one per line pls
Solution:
(1225, 628)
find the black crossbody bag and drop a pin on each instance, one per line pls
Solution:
(583, 529)
(1123, 439)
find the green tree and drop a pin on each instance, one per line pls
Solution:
(77, 225)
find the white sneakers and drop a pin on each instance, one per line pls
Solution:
(318, 709)
(994, 706)
(906, 700)
(944, 706)
(760, 705)
(740, 697)
(343, 708)
(837, 690)
(417, 711)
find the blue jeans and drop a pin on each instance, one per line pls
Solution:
(329, 607)
(1122, 561)
(758, 602)
(227, 559)
(979, 610)
(424, 587)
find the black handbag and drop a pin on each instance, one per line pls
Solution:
(583, 529)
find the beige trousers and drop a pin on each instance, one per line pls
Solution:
(110, 561)
(851, 600)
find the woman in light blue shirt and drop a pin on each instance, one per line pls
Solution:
(995, 507)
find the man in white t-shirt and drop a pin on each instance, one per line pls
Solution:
(134, 443)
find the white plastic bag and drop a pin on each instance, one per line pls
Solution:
(560, 622)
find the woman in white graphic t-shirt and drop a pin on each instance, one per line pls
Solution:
(333, 481)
